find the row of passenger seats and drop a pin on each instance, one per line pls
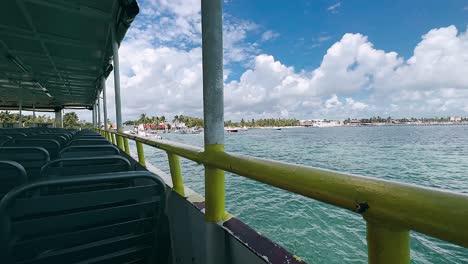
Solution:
(44, 153)
(72, 197)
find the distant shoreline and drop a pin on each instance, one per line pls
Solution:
(370, 125)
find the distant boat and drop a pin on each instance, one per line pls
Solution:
(278, 128)
(231, 129)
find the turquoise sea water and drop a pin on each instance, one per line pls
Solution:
(434, 156)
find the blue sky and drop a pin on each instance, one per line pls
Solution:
(302, 59)
(307, 28)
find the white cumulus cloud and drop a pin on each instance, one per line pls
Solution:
(354, 78)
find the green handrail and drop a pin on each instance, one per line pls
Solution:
(390, 208)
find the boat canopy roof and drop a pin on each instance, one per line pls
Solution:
(55, 53)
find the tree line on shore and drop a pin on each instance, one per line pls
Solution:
(8, 117)
(196, 122)
(71, 120)
(378, 119)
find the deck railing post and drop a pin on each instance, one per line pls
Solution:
(120, 143)
(126, 147)
(213, 114)
(141, 153)
(112, 135)
(387, 244)
(176, 173)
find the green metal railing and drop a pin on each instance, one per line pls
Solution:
(391, 209)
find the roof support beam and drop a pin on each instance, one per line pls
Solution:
(213, 113)
(118, 105)
(99, 111)
(104, 101)
(94, 115)
(20, 122)
(58, 118)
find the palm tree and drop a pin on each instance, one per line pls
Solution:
(143, 119)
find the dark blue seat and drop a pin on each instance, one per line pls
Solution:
(14, 135)
(60, 138)
(89, 151)
(12, 174)
(52, 146)
(84, 166)
(31, 158)
(108, 224)
(4, 139)
(95, 141)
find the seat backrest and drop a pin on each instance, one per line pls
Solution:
(4, 139)
(12, 174)
(31, 158)
(112, 224)
(14, 134)
(52, 146)
(89, 151)
(85, 166)
(67, 135)
(80, 142)
(61, 139)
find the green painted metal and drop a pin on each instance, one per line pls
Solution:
(387, 244)
(113, 140)
(120, 143)
(214, 187)
(64, 59)
(126, 147)
(438, 213)
(141, 153)
(176, 173)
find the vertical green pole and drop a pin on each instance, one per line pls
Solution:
(120, 143)
(213, 108)
(127, 148)
(113, 138)
(176, 174)
(386, 244)
(141, 153)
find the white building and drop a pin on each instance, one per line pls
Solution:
(455, 119)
